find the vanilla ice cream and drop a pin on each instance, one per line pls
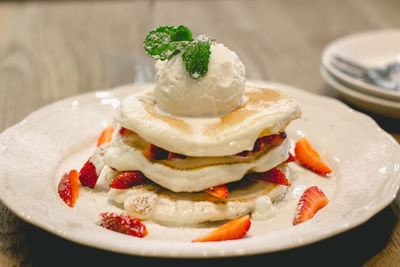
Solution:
(217, 93)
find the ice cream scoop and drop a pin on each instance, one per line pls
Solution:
(217, 93)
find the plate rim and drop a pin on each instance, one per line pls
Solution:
(358, 84)
(354, 94)
(195, 251)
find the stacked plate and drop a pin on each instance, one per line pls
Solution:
(344, 59)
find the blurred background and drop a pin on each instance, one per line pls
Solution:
(50, 50)
(53, 49)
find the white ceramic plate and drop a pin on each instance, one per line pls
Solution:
(36, 152)
(367, 102)
(369, 49)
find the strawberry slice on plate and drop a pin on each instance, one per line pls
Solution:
(306, 155)
(234, 229)
(219, 191)
(123, 223)
(87, 175)
(68, 187)
(312, 200)
(128, 179)
(106, 135)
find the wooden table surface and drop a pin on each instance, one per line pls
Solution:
(52, 50)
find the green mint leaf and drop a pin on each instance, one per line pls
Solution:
(196, 56)
(181, 33)
(165, 42)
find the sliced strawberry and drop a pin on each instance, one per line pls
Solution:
(87, 175)
(173, 155)
(283, 135)
(219, 191)
(128, 179)
(123, 223)
(124, 131)
(259, 144)
(68, 187)
(275, 139)
(274, 176)
(309, 157)
(310, 202)
(235, 229)
(154, 152)
(106, 135)
(262, 142)
(291, 158)
(245, 153)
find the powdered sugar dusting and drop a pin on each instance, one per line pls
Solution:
(202, 38)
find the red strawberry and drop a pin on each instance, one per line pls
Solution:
(173, 155)
(310, 202)
(123, 223)
(219, 191)
(106, 135)
(124, 131)
(68, 187)
(235, 229)
(291, 158)
(310, 158)
(272, 176)
(279, 138)
(154, 152)
(275, 139)
(88, 175)
(128, 179)
(245, 153)
(259, 144)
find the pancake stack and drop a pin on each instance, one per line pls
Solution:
(187, 160)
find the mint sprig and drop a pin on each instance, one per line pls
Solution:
(196, 56)
(165, 42)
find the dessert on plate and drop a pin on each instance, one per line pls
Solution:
(206, 143)
(198, 145)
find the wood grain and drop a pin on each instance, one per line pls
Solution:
(52, 50)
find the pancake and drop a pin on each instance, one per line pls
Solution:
(191, 174)
(263, 112)
(211, 151)
(152, 202)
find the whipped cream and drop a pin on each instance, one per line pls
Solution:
(217, 93)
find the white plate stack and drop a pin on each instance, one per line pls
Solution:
(368, 49)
